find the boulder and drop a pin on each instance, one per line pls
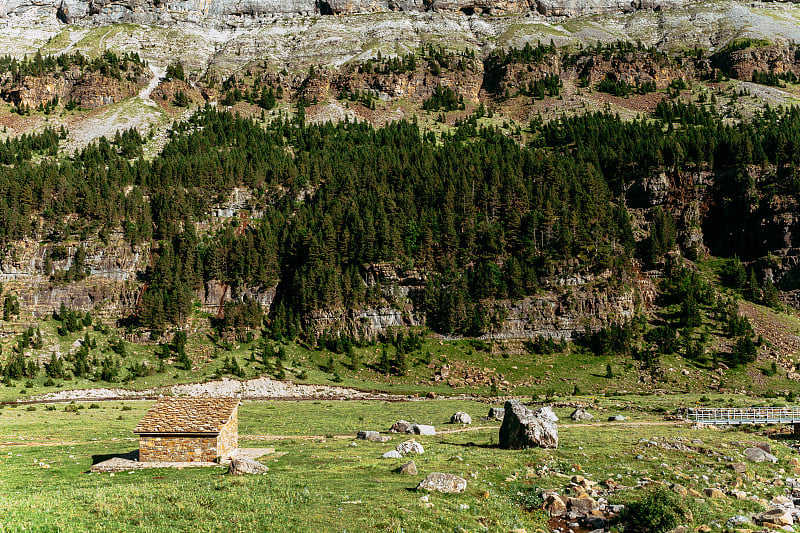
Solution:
(582, 505)
(554, 505)
(496, 413)
(739, 468)
(401, 426)
(523, 428)
(460, 418)
(777, 516)
(373, 436)
(581, 414)
(410, 469)
(410, 446)
(421, 429)
(392, 454)
(440, 482)
(757, 455)
(244, 465)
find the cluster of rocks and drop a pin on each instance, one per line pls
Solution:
(460, 375)
(583, 507)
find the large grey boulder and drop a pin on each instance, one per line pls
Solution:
(242, 466)
(439, 482)
(523, 428)
(460, 418)
(421, 429)
(757, 455)
(581, 414)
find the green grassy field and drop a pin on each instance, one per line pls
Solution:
(325, 484)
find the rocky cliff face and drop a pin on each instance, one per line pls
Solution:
(153, 12)
(89, 89)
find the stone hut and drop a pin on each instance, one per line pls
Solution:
(189, 429)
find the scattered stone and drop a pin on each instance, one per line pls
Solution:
(441, 482)
(409, 446)
(401, 426)
(581, 414)
(496, 413)
(392, 454)
(368, 435)
(737, 520)
(679, 489)
(713, 492)
(461, 418)
(758, 455)
(739, 468)
(241, 466)
(523, 428)
(421, 429)
(410, 469)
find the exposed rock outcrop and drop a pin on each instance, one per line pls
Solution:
(152, 12)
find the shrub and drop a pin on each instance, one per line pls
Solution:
(657, 511)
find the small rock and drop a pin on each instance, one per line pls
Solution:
(410, 469)
(401, 426)
(242, 465)
(431, 395)
(617, 418)
(739, 468)
(758, 455)
(441, 482)
(392, 454)
(737, 520)
(409, 446)
(461, 418)
(581, 414)
(373, 436)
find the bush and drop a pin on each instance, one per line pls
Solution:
(657, 511)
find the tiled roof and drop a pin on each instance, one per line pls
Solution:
(187, 415)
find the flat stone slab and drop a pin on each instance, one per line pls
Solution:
(124, 464)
